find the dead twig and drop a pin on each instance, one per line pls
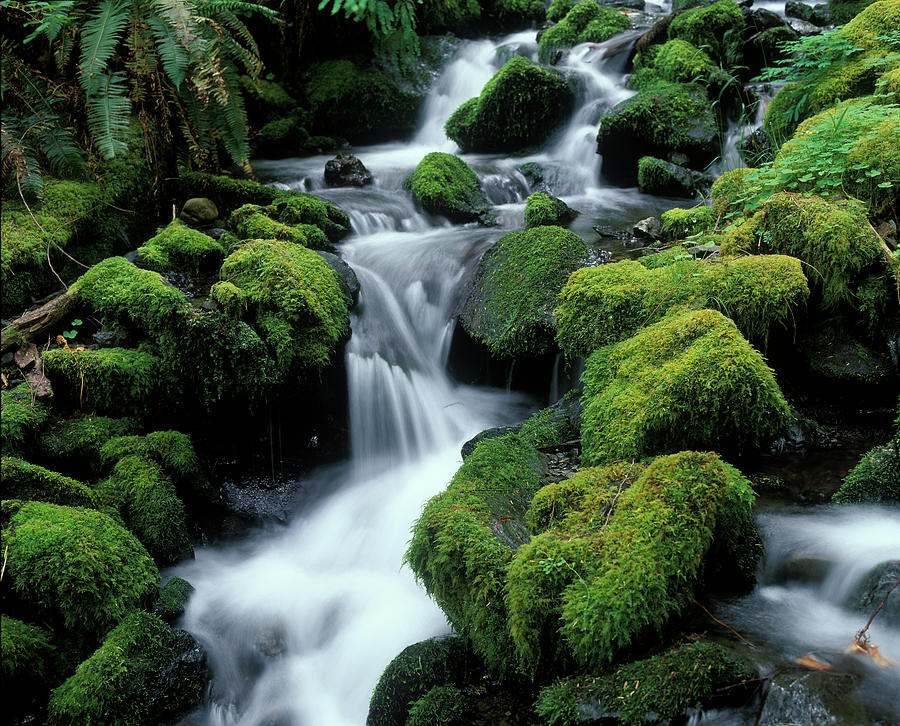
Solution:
(724, 625)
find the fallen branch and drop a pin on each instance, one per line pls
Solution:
(860, 636)
(701, 606)
(30, 326)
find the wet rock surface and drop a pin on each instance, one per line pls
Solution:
(346, 170)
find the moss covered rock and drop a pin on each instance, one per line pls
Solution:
(688, 381)
(74, 444)
(178, 247)
(718, 27)
(29, 662)
(584, 22)
(876, 478)
(664, 178)
(445, 184)
(173, 599)
(606, 304)
(21, 480)
(254, 222)
(519, 107)
(542, 210)
(441, 705)
(678, 61)
(22, 417)
(77, 566)
(510, 306)
(679, 224)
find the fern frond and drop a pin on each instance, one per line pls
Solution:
(179, 16)
(233, 121)
(17, 160)
(174, 56)
(207, 7)
(108, 113)
(58, 147)
(100, 36)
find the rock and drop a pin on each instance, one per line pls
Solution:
(497, 431)
(756, 146)
(648, 229)
(821, 698)
(348, 280)
(818, 15)
(666, 179)
(838, 358)
(199, 211)
(803, 568)
(760, 19)
(346, 170)
(875, 587)
(183, 683)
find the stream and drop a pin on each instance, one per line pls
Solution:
(300, 620)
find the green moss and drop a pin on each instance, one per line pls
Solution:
(688, 381)
(445, 184)
(28, 662)
(678, 224)
(438, 15)
(295, 299)
(300, 210)
(728, 191)
(252, 222)
(554, 424)
(111, 380)
(441, 705)
(519, 107)
(876, 478)
(269, 93)
(146, 498)
(413, 673)
(171, 449)
(663, 178)
(115, 684)
(606, 304)
(717, 28)
(74, 444)
(357, 102)
(77, 566)
(559, 9)
(843, 11)
(122, 294)
(585, 22)
(510, 306)
(22, 480)
(664, 686)
(543, 210)
(678, 61)
(173, 599)
(665, 257)
(178, 247)
(516, 14)
(22, 418)
(887, 88)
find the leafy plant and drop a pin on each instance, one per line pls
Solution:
(72, 333)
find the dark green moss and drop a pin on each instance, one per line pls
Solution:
(663, 178)
(718, 28)
(28, 663)
(115, 684)
(445, 184)
(678, 61)
(519, 107)
(77, 566)
(253, 222)
(688, 381)
(585, 22)
(876, 478)
(843, 11)
(22, 418)
(25, 481)
(442, 705)
(559, 9)
(510, 306)
(178, 247)
(440, 15)
(74, 444)
(542, 210)
(173, 599)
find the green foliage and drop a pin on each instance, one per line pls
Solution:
(114, 685)
(510, 306)
(115, 381)
(178, 247)
(717, 28)
(122, 294)
(543, 210)
(663, 686)
(173, 599)
(440, 706)
(295, 300)
(172, 450)
(679, 224)
(74, 444)
(392, 25)
(438, 15)
(146, 498)
(445, 184)
(876, 478)
(585, 22)
(552, 425)
(28, 482)
(688, 381)
(843, 11)
(678, 61)
(77, 566)
(251, 222)
(519, 107)
(729, 191)
(607, 304)
(22, 418)
(559, 9)
(28, 662)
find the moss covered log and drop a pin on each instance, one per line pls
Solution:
(21, 480)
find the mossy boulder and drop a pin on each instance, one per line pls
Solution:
(445, 184)
(357, 102)
(119, 682)
(29, 662)
(413, 673)
(679, 224)
(76, 566)
(21, 480)
(585, 22)
(729, 190)
(173, 599)
(663, 686)
(661, 119)
(678, 61)
(876, 478)
(543, 210)
(73, 444)
(251, 222)
(843, 11)
(293, 298)
(22, 418)
(510, 305)
(173, 450)
(178, 247)
(146, 498)
(718, 27)
(689, 381)
(609, 303)
(664, 178)
(519, 107)
(113, 381)
(441, 705)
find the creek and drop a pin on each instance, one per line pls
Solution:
(300, 620)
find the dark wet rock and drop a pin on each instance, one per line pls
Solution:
(348, 279)
(183, 683)
(803, 568)
(818, 15)
(215, 232)
(756, 146)
(838, 358)
(199, 211)
(173, 599)
(668, 179)
(497, 431)
(802, 27)
(820, 698)
(270, 643)
(109, 338)
(346, 170)
(760, 19)
(612, 232)
(649, 229)
(877, 588)
(707, 249)
(260, 499)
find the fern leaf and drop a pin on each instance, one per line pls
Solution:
(60, 150)
(179, 16)
(100, 36)
(174, 56)
(108, 114)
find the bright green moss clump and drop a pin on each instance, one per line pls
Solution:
(146, 498)
(115, 684)
(25, 481)
(718, 27)
(664, 686)
(22, 418)
(441, 705)
(445, 184)
(295, 298)
(253, 222)
(74, 444)
(606, 304)
(680, 62)
(178, 247)
(542, 210)
(77, 566)
(519, 107)
(510, 306)
(876, 478)
(171, 449)
(678, 224)
(585, 22)
(688, 381)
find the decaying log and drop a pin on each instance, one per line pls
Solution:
(28, 360)
(30, 326)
